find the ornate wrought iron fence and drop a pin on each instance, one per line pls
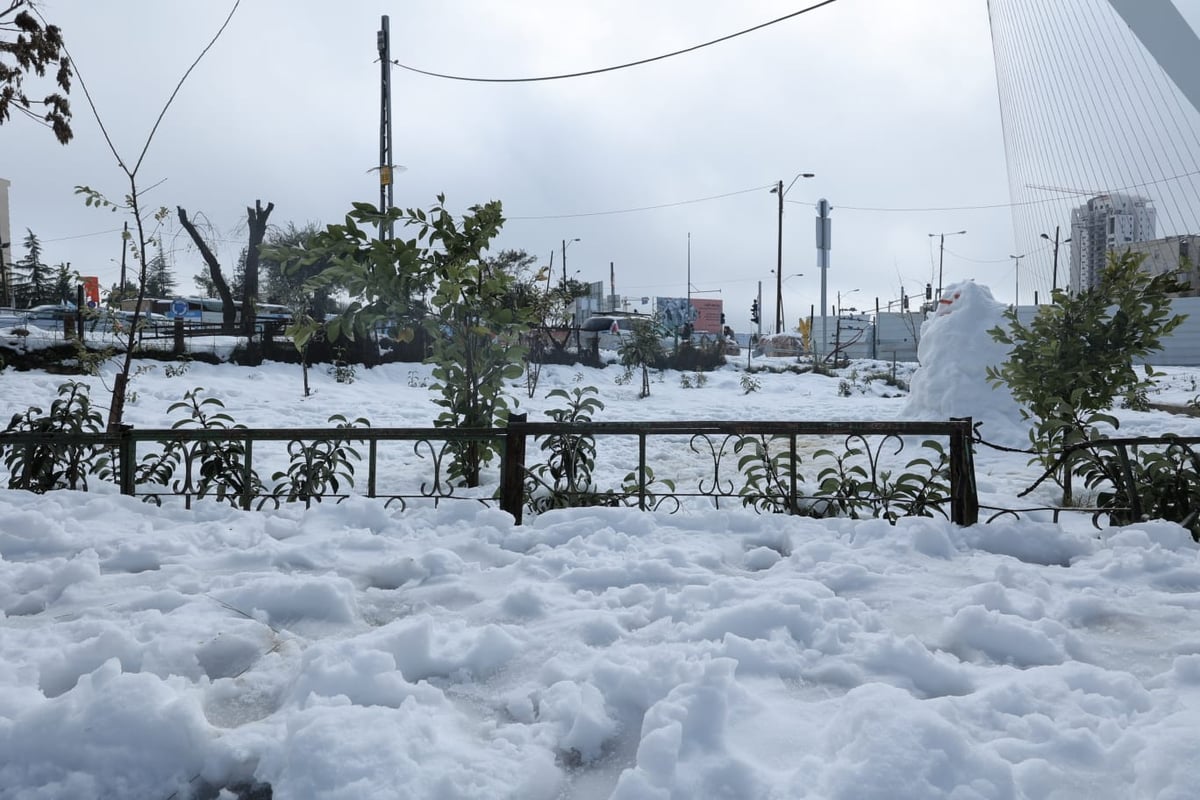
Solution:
(223, 463)
(1130, 478)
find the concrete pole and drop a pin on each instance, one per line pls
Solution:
(824, 237)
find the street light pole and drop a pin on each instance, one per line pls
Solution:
(1017, 279)
(1054, 278)
(941, 256)
(779, 190)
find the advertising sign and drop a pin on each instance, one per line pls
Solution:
(707, 315)
(673, 312)
(91, 290)
(704, 314)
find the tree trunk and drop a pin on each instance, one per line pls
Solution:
(228, 308)
(256, 219)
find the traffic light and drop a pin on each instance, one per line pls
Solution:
(754, 312)
(722, 317)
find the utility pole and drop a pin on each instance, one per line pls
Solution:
(1054, 278)
(565, 286)
(5, 280)
(1017, 279)
(942, 257)
(689, 277)
(779, 264)
(779, 190)
(383, 42)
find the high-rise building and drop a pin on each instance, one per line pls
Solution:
(1106, 223)
(6, 250)
(1178, 254)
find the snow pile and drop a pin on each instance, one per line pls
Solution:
(357, 651)
(353, 651)
(955, 352)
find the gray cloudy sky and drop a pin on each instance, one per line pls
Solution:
(892, 103)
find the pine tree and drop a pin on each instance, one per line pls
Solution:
(286, 286)
(160, 281)
(63, 282)
(31, 276)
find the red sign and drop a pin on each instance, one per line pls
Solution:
(708, 315)
(91, 290)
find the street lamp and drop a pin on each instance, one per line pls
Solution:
(1017, 279)
(786, 278)
(1054, 283)
(839, 299)
(941, 256)
(779, 190)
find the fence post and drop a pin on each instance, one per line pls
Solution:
(964, 497)
(127, 459)
(512, 468)
(178, 347)
(248, 473)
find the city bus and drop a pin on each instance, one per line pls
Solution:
(207, 309)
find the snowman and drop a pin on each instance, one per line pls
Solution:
(954, 353)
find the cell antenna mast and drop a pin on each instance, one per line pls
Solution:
(383, 41)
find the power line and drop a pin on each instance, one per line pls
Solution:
(80, 236)
(637, 63)
(987, 260)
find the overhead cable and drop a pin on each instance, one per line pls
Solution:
(627, 65)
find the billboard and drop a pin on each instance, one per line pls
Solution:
(673, 312)
(708, 315)
(704, 314)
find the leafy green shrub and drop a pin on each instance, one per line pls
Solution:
(771, 477)
(704, 356)
(211, 467)
(856, 482)
(851, 484)
(56, 464)
(1146, 484)
(343, 371)
(177, 370)
(750, 384)
(565, 478)
(318, 468)
(644, 350)
(886, 377)
(1075, 359)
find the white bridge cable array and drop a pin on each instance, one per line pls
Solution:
(1086, 110)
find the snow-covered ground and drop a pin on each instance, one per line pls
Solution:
(354, 651)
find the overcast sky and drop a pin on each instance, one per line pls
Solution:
(891, 104)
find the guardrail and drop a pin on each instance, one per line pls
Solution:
(190, 463)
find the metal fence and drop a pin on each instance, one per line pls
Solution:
(410, 465)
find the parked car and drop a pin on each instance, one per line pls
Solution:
(607, 331)
(49, 316)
